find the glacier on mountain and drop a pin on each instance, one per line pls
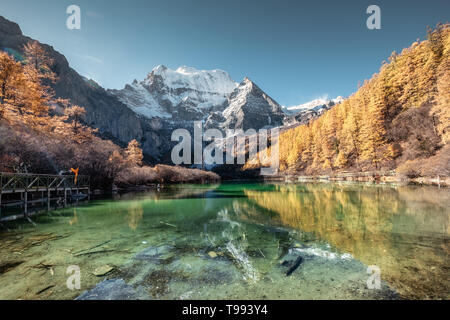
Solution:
(182, 94)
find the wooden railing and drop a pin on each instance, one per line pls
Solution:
(38, 188)
(21, 182)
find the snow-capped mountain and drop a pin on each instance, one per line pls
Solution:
(182, 94)
(168, 99)
(187, 94)
(303, 113)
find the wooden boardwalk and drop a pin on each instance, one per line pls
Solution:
(42, 187)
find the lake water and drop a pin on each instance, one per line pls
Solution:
(237, 241)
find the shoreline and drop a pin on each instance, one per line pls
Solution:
(381, 177)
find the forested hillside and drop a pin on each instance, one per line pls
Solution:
(400, 118)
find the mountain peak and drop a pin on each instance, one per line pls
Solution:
(186, 70)
(315, 104)
(250, 107)
(213, 81)
(247, 85)
(9, 28)
(159, 69)
(182, 94)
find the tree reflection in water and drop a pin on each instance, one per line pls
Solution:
(404, 230)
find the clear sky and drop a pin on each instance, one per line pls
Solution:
(294, 50)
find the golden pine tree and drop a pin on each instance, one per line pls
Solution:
(75, 115)
(38, 63)
(134, 153)
(374, 131)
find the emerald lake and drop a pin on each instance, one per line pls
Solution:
(237, 241)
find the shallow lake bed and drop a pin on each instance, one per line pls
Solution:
(237, 241)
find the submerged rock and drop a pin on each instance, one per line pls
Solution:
(114, 289)
(152, 253)
(103, 270)
(7, 266)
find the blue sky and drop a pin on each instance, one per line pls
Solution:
(294, 50)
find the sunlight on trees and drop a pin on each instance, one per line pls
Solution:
(134, 154)
(401, 114)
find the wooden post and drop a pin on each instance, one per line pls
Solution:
(48, 199)
(65, 197)
(24, 183)
(1, 192)
(25, 203)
